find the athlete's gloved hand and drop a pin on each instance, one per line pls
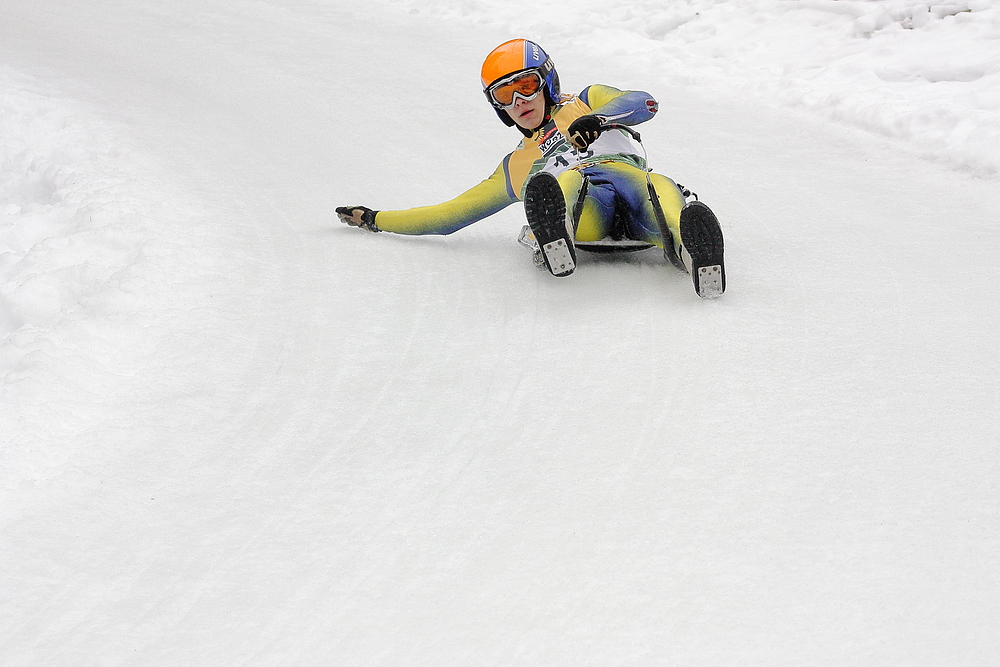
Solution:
(584, 131)
(358, 216)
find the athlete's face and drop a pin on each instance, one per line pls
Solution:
(528, 114)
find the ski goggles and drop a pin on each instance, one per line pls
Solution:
(525, 85)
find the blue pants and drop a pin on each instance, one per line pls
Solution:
(618, 193)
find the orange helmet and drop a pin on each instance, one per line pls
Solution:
(513, 57)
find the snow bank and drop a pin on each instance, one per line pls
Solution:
(84, 266)
(67, 229)
(925, 74)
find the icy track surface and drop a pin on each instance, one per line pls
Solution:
(235, 432)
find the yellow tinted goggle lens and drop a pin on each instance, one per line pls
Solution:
(527, 85)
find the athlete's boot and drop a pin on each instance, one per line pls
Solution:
(545, 209)
(702, 249)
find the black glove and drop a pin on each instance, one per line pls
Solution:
(584, 131)
(358, 216)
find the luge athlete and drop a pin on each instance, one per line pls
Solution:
(580, 173)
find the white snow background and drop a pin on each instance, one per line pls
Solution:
(236, 432)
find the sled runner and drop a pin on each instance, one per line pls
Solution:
(605, 245)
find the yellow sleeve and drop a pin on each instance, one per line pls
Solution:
(597, 95)
(473, 205)
(629, 107)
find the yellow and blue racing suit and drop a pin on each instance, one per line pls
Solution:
(613, 166)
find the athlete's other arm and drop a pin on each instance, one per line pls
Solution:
(609, 105)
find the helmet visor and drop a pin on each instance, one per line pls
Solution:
(526, 84)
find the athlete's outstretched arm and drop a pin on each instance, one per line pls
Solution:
(473, 205)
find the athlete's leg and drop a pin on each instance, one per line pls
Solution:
(671, 202)
(641, 221)
(597, 213)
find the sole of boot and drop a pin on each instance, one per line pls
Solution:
(701, 237)
(545, 209)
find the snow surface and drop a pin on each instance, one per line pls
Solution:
(233, 431)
